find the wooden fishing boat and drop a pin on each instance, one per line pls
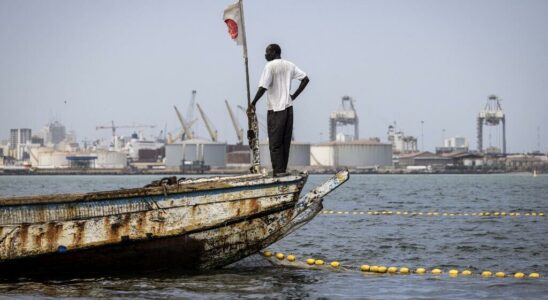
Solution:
(185, 224)
(194, 224)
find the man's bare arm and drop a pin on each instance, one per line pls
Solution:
(260, 93)
(303, 84)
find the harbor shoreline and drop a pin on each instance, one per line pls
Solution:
(103, 172)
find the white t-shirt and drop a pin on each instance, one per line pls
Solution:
(276, 78)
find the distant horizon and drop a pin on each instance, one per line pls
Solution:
(88, 63)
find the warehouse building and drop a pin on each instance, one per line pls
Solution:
(211, 153)
(424, 158)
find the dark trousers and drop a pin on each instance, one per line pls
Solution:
(280, 130)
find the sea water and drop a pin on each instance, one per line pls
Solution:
(354, 237)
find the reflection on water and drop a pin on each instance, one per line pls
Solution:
(478, 243)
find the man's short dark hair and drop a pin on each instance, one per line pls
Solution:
(276, 48)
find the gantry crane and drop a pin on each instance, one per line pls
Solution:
(209, 126)
(345, 115)
(239, 130)
(491, 115)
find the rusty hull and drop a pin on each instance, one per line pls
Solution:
(193, 224)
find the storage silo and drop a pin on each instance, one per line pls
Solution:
(47, 158)
(359, 153)
(299, 154)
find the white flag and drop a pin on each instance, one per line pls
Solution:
(232, 18)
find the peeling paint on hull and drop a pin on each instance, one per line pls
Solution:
(207, 249)
(192, 225)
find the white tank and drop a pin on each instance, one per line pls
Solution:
(47, 158)
(299, 154)
(360, 153)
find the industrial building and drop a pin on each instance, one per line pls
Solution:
(526, 161)
(49, 158)
(424, 158)
(299, 154)
(210, 153)
(454, 144)
(81, 161)
(401, 143)
(110, 159)
(348, 150)
(141, 150)
(466, 159)
(358, 153)
(19, 138)
(57, 132)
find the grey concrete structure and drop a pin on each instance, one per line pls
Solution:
(213, 154)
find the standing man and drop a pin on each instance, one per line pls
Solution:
(276, 81)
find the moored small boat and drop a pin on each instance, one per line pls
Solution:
(193, 224)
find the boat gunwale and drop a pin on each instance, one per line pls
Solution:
(163, 208)
(188, 185)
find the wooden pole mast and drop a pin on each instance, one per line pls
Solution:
(253, 131)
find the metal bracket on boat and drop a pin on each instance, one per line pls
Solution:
(158, 214)
(164, 181)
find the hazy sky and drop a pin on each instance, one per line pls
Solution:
(403, 61)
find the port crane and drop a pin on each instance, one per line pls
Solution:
(114, 127)
(345, 115)
(239, 130)
(184, 125)
(212, 131)
(491, 115)
(190, 111)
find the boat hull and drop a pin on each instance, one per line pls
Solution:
(197, 225)
(207, 249)
(200, 224)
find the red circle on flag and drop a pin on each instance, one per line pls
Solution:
(232, 28)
